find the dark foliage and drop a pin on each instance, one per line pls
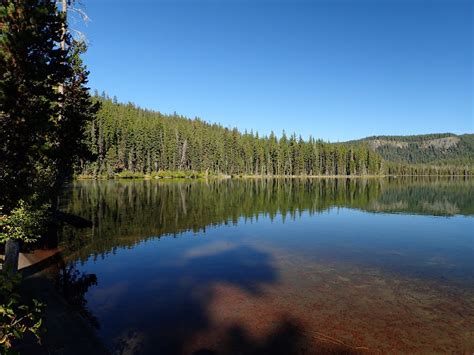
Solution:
(31, 66)
(429, 149)
(127, 138)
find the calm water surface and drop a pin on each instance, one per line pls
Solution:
(275, 266)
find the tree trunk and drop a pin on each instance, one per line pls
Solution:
(12, 253)
(183, 155)
(63, 47)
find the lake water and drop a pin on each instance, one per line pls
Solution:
(275, 266)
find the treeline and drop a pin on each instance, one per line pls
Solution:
(434, 149)
(417, 138)
(124, 137)
(128, 141)
(427, 169)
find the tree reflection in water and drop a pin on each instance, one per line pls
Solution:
(73, 286)
(177, 303)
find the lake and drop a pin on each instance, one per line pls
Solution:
(274, 265)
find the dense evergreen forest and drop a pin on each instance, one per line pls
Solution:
(129, 141)
(436, 149)
(127, 138)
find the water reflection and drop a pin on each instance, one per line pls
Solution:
(435, 196)
(276, 266)
(125, 212)
(73, 286)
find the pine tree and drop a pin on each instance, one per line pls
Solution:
(31, 66)
(43, 108)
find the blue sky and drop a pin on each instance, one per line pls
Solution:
(336, 69)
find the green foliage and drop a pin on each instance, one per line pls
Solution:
(68, 135)
(425, 170)
(444, 149)
(44, 105)
(179, 174)
(130, 175)
(16, 318)
(132, 142)
(25, 222)
(41, 127)
(31, 66)
(412, 138)
(128, 140)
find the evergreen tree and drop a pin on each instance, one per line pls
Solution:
(31, 67)
(43, 108)
(68, 139)
(140, 141)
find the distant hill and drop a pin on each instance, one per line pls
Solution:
(437, 149)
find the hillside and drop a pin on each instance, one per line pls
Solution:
(435, 149)
(128, 141)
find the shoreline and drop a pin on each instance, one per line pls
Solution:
(243, 176)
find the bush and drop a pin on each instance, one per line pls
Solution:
(26, 222)
(129, 175)
(16, 319)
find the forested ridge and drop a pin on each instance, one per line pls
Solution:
(437, 149)
(124, 137)
(128, 141)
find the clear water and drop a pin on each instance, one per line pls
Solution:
(276, 266)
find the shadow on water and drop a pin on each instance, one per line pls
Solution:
(287, 338)
(177, 301)
(170, 312)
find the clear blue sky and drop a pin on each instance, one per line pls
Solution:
(335, 69)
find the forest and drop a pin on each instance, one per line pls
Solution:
(128, 141)
(440, 149)
(53, 131)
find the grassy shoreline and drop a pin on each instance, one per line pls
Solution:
(167, 175)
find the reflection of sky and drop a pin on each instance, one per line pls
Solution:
(418, 245)
(169, 275)
(408, 243)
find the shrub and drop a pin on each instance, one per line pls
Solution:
(26, 222)
(16, 319)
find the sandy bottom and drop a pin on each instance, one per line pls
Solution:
(316, 308)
